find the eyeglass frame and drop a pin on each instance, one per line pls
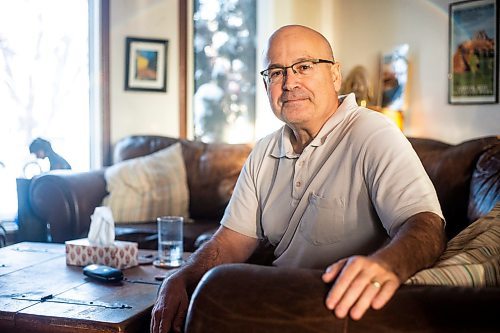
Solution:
(284, 68)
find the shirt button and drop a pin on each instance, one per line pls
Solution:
(298, 184)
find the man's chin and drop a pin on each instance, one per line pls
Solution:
(295, 107)
(295, 118)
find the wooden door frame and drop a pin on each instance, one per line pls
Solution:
(183, 33)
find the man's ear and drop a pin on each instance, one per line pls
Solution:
(265, 83)
(337, 76)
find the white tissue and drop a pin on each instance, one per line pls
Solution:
(102, 227)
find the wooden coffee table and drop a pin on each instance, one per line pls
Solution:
(40, 293)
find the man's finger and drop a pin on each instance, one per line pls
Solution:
(162, 324)
(365, 300)
(180, 317)
(349, 272)
(353, 293)
(162, 317)
(387, 291)
(155, 320)
(333, 270)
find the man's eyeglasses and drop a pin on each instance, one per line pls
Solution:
(275, 74)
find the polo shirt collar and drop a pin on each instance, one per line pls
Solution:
(284, 147)
(347, 104)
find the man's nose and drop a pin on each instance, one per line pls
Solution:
(290, 79)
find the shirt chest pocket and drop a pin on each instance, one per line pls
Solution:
(323, 220)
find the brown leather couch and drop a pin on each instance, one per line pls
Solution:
(65, 200)
(257, 298)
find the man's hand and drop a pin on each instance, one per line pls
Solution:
(171, 306)
(170, 309)
(362, 282)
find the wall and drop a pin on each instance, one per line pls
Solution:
(368, 28)
(360, 30)
(135, 112)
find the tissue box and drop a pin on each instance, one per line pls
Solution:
(121, 254)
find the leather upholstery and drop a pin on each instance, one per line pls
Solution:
(66, 200)
(247, 298)
(212, 173)
(451, 169)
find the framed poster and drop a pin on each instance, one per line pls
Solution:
(473, 52)
(146, 64)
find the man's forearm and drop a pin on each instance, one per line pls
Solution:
(226, 246)
(200, 262)
(417, 245)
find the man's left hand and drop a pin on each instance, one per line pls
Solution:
(361, 282)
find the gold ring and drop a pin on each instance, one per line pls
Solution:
(376, 284)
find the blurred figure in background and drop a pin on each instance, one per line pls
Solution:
(42, 148)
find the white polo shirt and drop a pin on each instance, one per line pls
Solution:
(349, 190)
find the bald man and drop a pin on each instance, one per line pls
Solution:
(338, 187)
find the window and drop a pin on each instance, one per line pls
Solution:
(44, 88)
(224, 45)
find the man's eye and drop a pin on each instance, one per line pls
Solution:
(305, 66)
(275, 74)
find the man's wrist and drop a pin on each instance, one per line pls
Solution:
(384, 260)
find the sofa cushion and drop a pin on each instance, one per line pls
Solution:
(134, 146)
(485, 183)
(450, 168)
(144, 188)
(472, 258)
(212, 173)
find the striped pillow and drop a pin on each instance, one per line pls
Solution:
(472, 258)
(143, 188)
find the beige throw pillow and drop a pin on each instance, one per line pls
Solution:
(141, 189)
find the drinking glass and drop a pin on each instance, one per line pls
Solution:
(170, 246)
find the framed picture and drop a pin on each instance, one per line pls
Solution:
(473, 52)
(146, 64)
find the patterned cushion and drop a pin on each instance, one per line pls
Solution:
(472, 258)
(143, 188)
(485, 183)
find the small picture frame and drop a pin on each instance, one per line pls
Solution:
(473, 52)
(146, 64)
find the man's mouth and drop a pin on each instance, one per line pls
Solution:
(294, 100)
(287, 98)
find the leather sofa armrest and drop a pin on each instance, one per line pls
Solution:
(65, 200)
(248, 298)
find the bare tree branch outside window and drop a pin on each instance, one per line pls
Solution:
(224, 70)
